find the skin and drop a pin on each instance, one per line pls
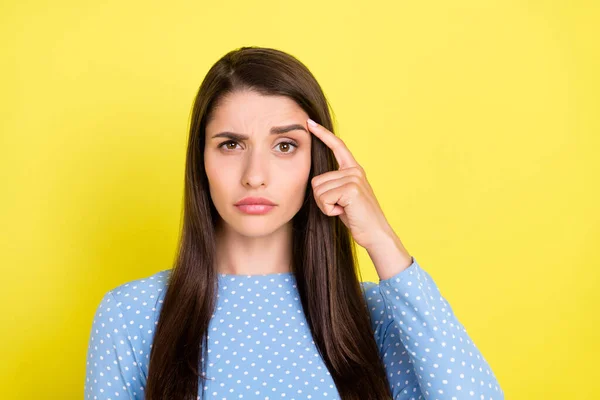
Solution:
(260, 166)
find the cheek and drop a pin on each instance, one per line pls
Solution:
(297, 179)
(218, 179)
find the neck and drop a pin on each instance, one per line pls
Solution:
(242, 254)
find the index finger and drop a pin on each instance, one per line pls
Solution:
(340, 150)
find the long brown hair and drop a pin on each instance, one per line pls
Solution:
(323, 259)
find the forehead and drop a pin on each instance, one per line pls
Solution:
(249, 107)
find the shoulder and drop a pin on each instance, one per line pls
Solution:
(136, 303)
(123, 330)
(142, 292)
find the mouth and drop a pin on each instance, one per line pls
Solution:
(255, 201)
(255, 209)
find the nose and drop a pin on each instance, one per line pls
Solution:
(255, 169)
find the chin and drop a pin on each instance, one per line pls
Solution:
(256, 230)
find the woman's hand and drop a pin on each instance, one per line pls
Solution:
(347, 193)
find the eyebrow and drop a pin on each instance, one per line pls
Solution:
(276, 130)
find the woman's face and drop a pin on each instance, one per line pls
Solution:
(259, 163)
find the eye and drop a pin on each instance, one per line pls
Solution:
(287, 143)
(226, 143)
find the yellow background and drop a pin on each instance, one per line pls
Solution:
(476, 121)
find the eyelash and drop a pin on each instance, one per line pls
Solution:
(287, 142)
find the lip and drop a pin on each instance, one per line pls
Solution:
(255, 209)
(251, 201)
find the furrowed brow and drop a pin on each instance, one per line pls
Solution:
(276, 130)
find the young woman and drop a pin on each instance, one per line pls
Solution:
(263, 300)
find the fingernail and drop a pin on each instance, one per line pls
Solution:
(311, 122)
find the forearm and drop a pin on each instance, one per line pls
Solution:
(389, 256)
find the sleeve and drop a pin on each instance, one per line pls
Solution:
(112, 370)
(426, 351)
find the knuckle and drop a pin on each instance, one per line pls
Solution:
(355, 179)
(354, 187)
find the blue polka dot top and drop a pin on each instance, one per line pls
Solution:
(260, 345)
